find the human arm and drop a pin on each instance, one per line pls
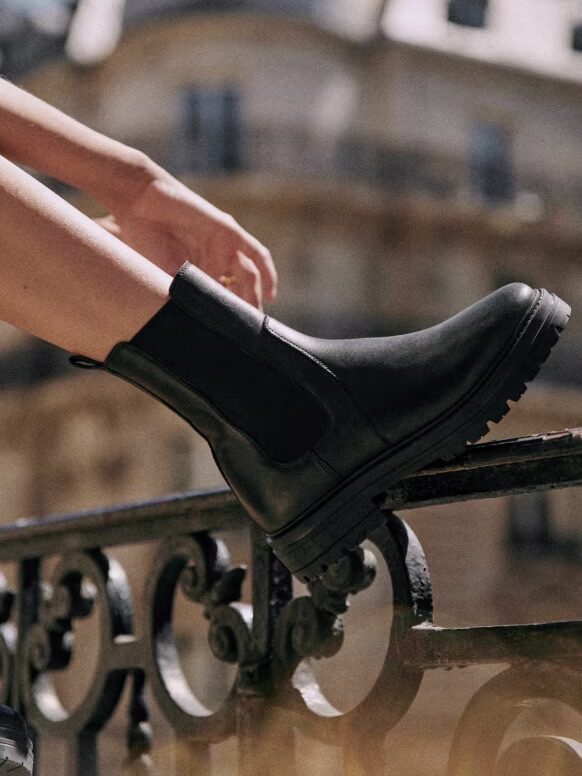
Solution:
(150, 210)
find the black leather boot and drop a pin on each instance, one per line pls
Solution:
(15, 746)
(309, 432)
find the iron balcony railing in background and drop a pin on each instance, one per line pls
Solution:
(275, 693)
(138, 10)
(295, 152)
(305, 153)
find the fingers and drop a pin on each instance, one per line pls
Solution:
(229, 250)
(247, 280)
(109, 224)
(263, 260)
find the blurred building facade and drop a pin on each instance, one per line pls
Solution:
(400, 160)
(397, 169)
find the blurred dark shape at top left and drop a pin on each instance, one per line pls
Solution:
(31, 32)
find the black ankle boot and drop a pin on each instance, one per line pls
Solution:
(15, 746)
(309, 432)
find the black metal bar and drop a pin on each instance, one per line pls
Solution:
(483, 471)
(491, 469)
(269, 641)
(83, 756)
(272, 590)
(428, 646)
(29, 598)
(126, 524)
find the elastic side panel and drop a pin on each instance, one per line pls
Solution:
(282, 417)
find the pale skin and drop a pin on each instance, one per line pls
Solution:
(86, 285)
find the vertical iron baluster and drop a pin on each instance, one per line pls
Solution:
(82, 755)
(29, 598)
(262, 743)
(272, 590)
(139, 733)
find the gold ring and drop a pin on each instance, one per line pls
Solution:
(227, 280)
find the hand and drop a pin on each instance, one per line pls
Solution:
(169, 224)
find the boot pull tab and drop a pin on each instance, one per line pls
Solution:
(84, 362)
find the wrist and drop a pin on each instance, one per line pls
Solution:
(120, 177)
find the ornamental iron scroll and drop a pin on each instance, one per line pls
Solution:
(307, 628)
(199, 564)
(273, 639)
(8, 640)
(49, 644)
(478, 745)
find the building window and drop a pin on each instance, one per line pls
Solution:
(468, 13)
(577, 37)
(536, 528)
(530, 529)
(490, 163)
(212, 129)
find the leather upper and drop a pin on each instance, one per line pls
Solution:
(405, 382)
(372, 392)
(13, 728)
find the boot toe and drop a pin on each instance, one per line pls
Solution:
(409, 381)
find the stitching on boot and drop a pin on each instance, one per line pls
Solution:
(297, 348)
(325, 465)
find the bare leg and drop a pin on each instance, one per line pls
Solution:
(150, 210)
(63, 278)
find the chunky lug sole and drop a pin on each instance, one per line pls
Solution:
(13, 760)
(350, 513)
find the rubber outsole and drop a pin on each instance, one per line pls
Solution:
(309, 546)
(14, 761)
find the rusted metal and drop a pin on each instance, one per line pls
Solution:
(272, 638)
(540, 462)
(432, 647)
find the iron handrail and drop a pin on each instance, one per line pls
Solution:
(271, 638)
(485, 470)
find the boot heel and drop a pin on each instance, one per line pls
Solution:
(330, 538)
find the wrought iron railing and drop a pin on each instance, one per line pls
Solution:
(294, 152)
(275, 692)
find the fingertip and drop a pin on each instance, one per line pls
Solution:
(253, 299)
(273, 291)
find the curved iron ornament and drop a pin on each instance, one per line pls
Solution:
(87, 583)
(305, 627)
(48, 646)
(309, 627)
(199, 564)
(272, 641)
(477, 747)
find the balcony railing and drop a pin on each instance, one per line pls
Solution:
(301, 153)
(275, 693)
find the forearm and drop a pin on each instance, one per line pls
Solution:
(41, 137)
(63, 277)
